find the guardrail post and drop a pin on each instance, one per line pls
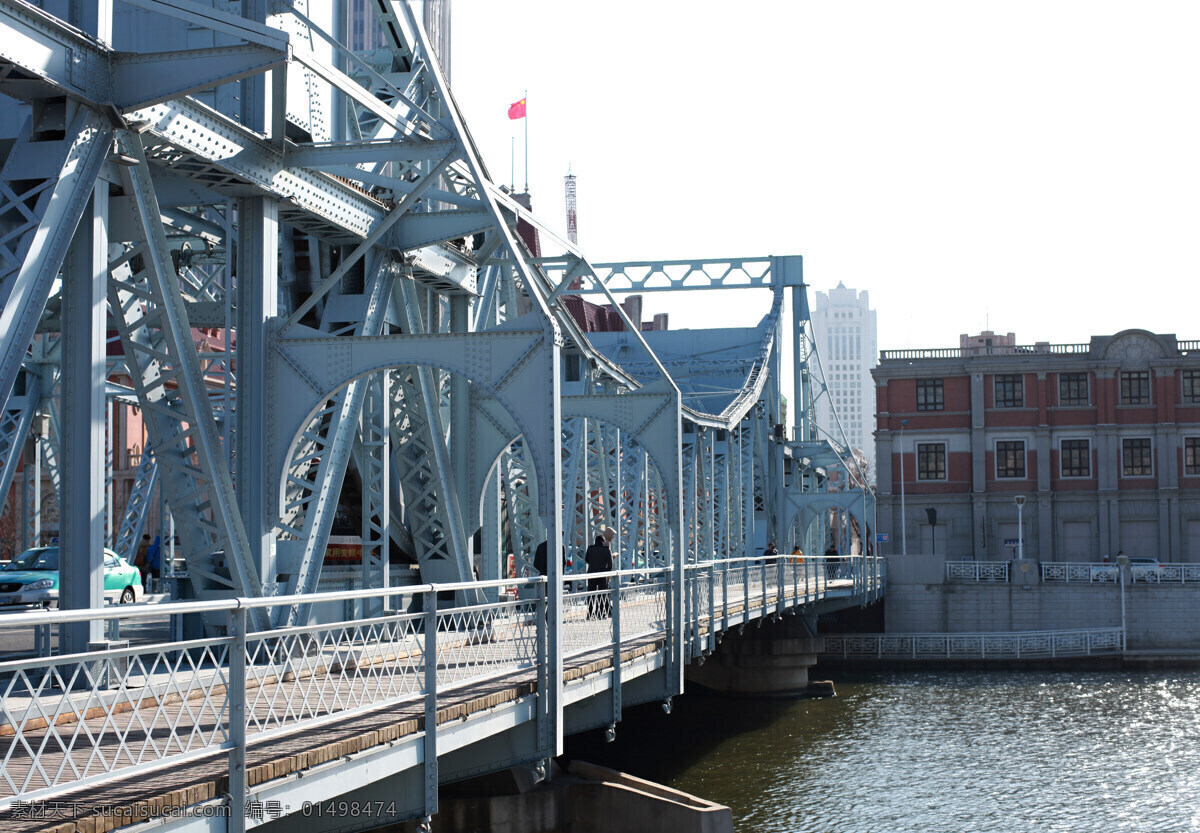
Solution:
(762, 612)
(541, 624)
(687, 614)
(712, 606)
(430, 747)
(725, 598)
(779, 584)
(616, 651)
(745, 592)
(236, 628)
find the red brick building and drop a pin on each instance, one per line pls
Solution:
(1102, 439)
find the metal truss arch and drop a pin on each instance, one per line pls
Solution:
(510, 367)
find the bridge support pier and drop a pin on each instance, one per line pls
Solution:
(771, 661)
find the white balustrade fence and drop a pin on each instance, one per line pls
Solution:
(993, 571)
(981, 646)
(1165, 573)
(1077, 572)
(1089, 573)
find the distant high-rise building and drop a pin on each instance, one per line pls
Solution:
(847, 341)
(363, 30)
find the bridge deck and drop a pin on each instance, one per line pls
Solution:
(321, 710)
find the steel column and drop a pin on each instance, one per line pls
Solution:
(81, 531)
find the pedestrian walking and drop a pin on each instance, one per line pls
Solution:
(153, 562)
(599, 560)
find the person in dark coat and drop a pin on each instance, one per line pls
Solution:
(599, 560)
(153, 561)
(832, 562)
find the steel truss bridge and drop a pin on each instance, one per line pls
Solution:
(290, 258)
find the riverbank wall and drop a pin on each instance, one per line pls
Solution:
(1159, 617)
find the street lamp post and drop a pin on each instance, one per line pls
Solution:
(903, 529)
(1122, 560)
(1020, 501)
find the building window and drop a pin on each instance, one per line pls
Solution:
(1075, 458)
(929, 395)
(1136, 458)
(931, 461)
(1191, 386)
(1135, 387)
(1010, 458)
(1191, 455)
(1073, 389)
(1010, 391)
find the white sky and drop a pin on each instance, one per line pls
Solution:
(1031, 167)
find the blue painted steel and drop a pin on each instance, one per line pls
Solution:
(494, 416)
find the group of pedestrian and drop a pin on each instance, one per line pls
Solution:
(833, 563)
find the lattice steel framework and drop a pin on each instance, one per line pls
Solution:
(387, 349)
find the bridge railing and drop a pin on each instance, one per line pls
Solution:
(1165, 573)
(1098, 572)
(76, 719)
(1080, 572)
(967, 646)
(987, 571)
(601, 609)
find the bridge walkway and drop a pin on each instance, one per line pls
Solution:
(160, 737)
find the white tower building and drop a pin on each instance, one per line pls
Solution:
(847, 341)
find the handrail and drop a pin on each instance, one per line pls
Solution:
(965, 646)
(249, 685)
(983, 571)
(1080, 572)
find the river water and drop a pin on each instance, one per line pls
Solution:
(934, 751)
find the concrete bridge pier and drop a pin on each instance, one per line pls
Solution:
(768, 661)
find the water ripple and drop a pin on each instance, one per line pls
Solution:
(983, 751)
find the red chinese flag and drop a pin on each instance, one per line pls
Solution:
(517, 110)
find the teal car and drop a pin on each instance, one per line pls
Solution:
(32, 579)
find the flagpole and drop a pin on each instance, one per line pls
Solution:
(513, 161)
(526, 143)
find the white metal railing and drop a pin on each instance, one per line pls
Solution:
(1165, 573)
(1080, 572)
(982, 646)
(1098, 572)
(990, 571)
(72, 720)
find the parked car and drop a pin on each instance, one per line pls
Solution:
(1145, 569)
(32, 579)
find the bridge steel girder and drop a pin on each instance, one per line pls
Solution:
(152, 321)
(42, 236)
(394, 178)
